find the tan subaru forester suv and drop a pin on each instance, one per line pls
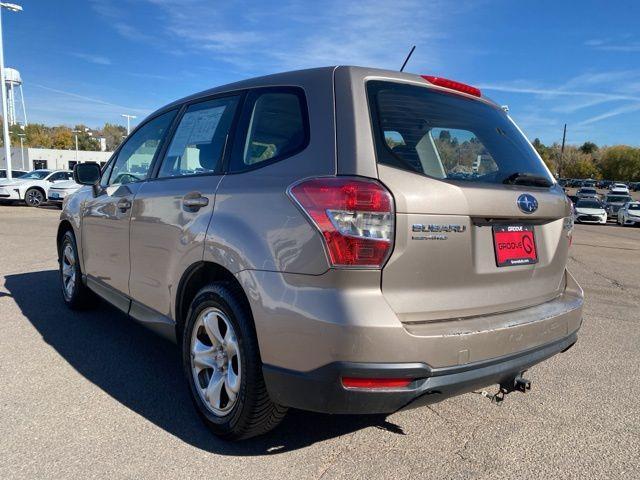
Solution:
(341, 240)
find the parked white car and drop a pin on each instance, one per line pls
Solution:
(629, 214)
(587, 192)
(619, 189)
(590, 210)
(61, 190)
(32, 187)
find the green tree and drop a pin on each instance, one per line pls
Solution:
(588, 148)
(576, 164)
(62, 138)
(86, 140)
(113, 135)
(621, 162)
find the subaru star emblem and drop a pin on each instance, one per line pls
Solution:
(527, 203)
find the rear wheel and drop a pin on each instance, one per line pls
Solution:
(75, 293)
(222, 365)
(34, 197)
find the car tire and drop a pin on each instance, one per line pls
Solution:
(75, 293)
(34, 197)
(222, 365)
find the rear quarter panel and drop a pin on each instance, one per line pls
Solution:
(255, 225)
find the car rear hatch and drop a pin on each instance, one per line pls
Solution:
(481, 227)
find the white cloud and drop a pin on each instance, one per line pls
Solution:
(92, 58)
(291, 35)
(611, 113)
(54, 106)
(622, 44)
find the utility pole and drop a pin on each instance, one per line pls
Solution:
(128, 117)
(22, 135)
(75, 133)
(564, 137)
(5, 121)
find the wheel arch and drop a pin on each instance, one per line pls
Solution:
(35, 187)
(193, 279)
(63, 227)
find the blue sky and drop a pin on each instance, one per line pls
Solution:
(551, 61)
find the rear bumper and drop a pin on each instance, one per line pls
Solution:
(321, 390)
(312, 330)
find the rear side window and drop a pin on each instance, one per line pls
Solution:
(199, 141)
(276, 127)
(449, 137)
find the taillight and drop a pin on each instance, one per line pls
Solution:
(357, 382)
(453, 85)
(354, 215)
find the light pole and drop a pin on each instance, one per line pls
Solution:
(5, 124)
(75, 134)
(22, 135)
(128, 117)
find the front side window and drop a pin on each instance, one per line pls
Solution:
(36, 175)
(199, 141)
(135, 156)
(277, 128)
(450, 137)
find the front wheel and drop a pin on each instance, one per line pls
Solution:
(222, 365)
(34, 197)
(74, 293)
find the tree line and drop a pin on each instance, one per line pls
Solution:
(618, 162)
(38, 135)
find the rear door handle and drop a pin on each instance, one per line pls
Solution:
(194, 201)
(124, 205)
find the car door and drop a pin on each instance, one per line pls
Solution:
(106, 216)
(171, 212)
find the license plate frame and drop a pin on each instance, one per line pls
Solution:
(514, 245)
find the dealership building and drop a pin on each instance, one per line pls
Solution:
(35, 158)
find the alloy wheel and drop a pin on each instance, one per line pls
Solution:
(68, 271)
(34, 197)
(215, 361)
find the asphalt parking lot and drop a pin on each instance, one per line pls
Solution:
(93, 395)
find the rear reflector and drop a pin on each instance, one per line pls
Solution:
(353, 382)
(453, 85)
(354, 215)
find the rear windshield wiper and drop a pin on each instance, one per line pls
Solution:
(519, 178)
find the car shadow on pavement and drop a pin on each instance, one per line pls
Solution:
(142, 371)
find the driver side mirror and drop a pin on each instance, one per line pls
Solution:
(86, 173)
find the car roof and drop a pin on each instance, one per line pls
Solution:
(300, 77)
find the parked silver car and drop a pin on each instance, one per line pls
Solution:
(61, 190)
(629, 214)
(341, 239)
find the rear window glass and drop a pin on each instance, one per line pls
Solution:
(588, 204)
(587, 190)
(450, 137)
(634, 206)
(618, 198)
